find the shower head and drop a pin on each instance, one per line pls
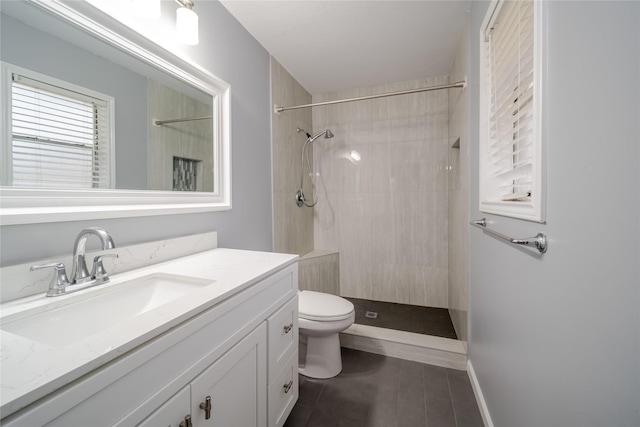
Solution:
(327, 134)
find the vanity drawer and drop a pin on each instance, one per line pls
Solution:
(283, 392)
(283, 335)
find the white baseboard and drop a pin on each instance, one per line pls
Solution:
(482, 405)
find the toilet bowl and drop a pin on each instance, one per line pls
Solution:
(321, 317)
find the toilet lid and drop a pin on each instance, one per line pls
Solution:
(323, 307)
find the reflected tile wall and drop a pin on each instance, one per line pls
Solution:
(383, 192)
(189, 140)
(293, 226)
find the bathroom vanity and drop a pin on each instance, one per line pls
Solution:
(210, 339)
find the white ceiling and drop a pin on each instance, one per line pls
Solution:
(336, 45)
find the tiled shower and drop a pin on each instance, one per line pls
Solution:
(383, 189)
(186, 159)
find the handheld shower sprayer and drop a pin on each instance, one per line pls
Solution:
(300, 198)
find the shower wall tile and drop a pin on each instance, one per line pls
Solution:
(442, 163)
(356, 278)
(384, 178)
(459, 195)
(320, 272)
(293, 226)
(325, 166)
(406, 229)
(436, 287)
(355, 169)
(293, 222)
(354, 113)
(418, 282)
(325, 222)
(381, 167)
(356, 236)
(390, 281)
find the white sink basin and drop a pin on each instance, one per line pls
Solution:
(68, 319)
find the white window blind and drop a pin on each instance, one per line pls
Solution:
(60, 137)
(511, 149)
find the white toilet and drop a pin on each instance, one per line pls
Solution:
(321, 317)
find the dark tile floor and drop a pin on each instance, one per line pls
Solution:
(379, 391)
(405, 317)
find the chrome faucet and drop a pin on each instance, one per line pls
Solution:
(79, 272)
(80, 276)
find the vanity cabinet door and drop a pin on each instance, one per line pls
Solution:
(172, 413)
(236, 385)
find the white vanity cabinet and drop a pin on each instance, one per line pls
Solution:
(230, 392)
(242, 353)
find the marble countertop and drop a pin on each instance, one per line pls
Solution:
(30, 370)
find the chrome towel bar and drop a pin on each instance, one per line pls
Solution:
(539, 241)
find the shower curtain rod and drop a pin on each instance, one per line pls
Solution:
(463, 84)
(186, 119)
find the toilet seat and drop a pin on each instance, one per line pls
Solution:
(321, 307)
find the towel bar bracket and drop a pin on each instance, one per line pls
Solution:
(539, 240)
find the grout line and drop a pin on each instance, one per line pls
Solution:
(315, 404)
(424, 393)
(453, 407)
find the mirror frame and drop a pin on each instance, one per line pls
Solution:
(27, 205)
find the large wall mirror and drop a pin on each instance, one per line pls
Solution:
(100, 122)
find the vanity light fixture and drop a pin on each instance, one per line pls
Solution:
(187, 23)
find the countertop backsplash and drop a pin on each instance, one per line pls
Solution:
(17, 281)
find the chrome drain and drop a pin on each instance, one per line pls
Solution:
(371, 315)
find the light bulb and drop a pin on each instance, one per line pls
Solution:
(187, 26)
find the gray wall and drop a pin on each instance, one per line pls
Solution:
(554, 340)
(227, 50)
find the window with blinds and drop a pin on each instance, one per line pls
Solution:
(511, 147)
(60, 136)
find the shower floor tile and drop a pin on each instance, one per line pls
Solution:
(405, 317)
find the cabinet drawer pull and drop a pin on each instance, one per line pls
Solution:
(288, 328)
(187, 422)
(206, 407)
(288, 386)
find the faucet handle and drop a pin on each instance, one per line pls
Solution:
(98, 272)
(59, 281)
